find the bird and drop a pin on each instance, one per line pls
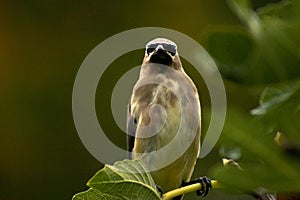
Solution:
(164, 100)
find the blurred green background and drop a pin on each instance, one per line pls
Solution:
(43, 44)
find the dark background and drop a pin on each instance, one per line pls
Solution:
(42, 45)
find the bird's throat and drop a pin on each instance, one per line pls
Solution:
(163, 59)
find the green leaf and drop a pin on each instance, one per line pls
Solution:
(267, 51)
(280, 109)
(271, 93)
(271, 98)
(90, 194)
(242, 8)
(231, 49)
(127, 179)
(264, 164)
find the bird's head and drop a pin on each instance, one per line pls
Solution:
(162, 51)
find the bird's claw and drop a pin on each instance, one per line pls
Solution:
(159, 190)
(205, 186)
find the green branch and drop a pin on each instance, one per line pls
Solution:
(187, 189)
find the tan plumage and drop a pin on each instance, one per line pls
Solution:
(159, 54)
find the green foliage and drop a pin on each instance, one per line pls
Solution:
(265, 50)
(126, 179)
(280, 109)
(270, 48)
(264, 163)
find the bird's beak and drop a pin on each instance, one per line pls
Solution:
(160, 51)
(159, 48)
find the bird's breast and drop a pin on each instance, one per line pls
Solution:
(163, 110)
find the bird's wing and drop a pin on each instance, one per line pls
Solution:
(139, 102)
(131, 130)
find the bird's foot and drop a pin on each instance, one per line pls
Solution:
(205, 185)
(159, 190)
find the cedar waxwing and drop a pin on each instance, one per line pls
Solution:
(151, 129)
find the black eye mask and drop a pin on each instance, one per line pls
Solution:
(168, 47)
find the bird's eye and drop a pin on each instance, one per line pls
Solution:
(170, 48)
(172, 53)
(150, 50)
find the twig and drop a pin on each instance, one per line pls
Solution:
(187, 189)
